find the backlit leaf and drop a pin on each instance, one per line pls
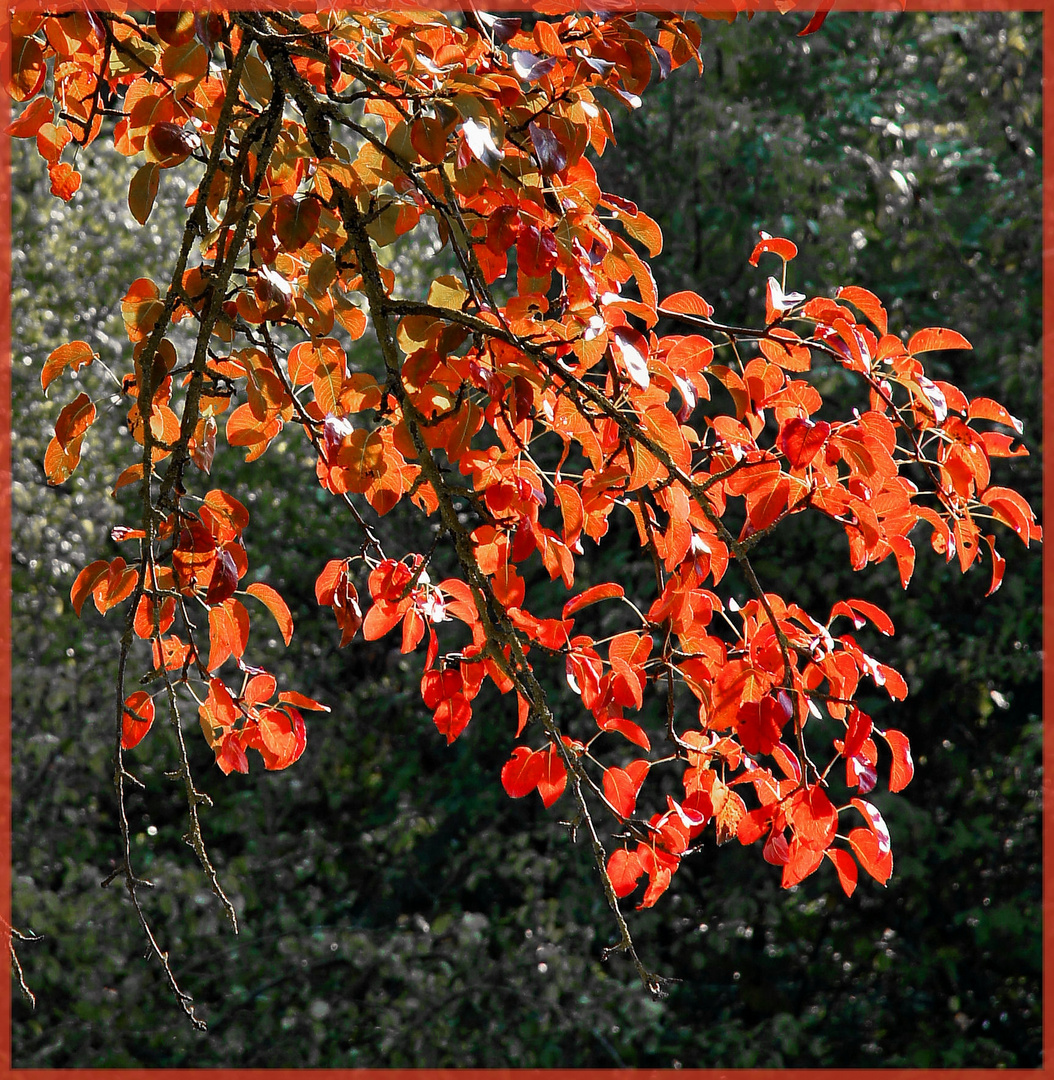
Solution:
(74, 355)
(521, 773)
(903, 767)
(136, 719)
(936, 337)
(624, 870)
(274, 603)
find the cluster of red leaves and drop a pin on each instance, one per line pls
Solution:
(547, 411)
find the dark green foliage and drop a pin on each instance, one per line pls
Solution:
(397, 909)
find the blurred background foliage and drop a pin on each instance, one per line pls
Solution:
(396, 908)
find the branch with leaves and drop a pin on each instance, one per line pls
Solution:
(523, 406)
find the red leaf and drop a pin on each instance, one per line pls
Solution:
(875, 822)
(553, 780)
(983, 408)
(859, 729)
(452, 716)
(754, 824)
(380, 619)
(536, 251)
(998, 565)
(634, 732)
(521, 773)
(883, 623)
(327, 583)
(137, 717)
(277, 739)
(814, 23)
(1011, 509)
(846, 867)
(801, 440)
(224, 579)
(904, 552)
(624, 869)
(813, 817)
(801, 862)
(659, 882)
(621, 791)
(903, 767)
(231, 756)
(759, 724)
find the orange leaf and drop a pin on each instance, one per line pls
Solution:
(86, 582)
(594, 595)
(276, 605)
(28, 68)
(686, 303)
(136, 719)
(868, 303)
(74, 355)
(936, 337)
(643, 229)
(65, 180)
(74, 420)
(223, 515)
(39, 111)
(326, 382)
(302, 701)
(221, 630)
(51, 141)
(785, 249)
(116, 586)
(141, 308)
(59, 462)
(727, 817)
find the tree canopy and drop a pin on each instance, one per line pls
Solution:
(525, 404)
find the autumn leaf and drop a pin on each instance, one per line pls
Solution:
(136, 719)
(521, 774)
(274, 603)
